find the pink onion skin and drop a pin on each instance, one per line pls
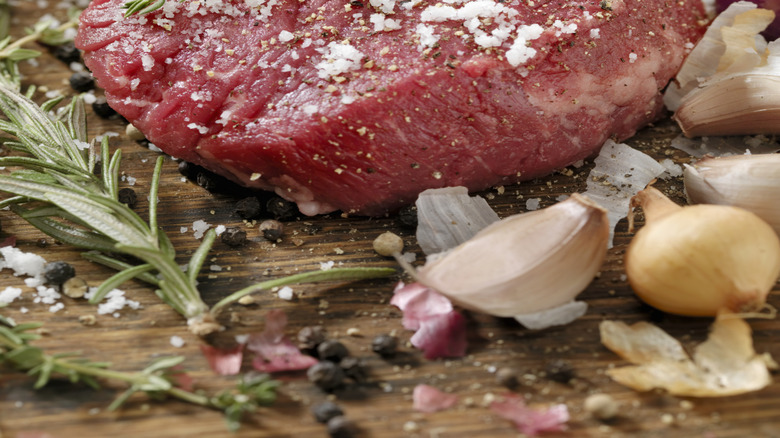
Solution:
(772, 32)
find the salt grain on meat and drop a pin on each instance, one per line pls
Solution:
(360, 109)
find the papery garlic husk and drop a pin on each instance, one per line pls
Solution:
(524, 263)
(751, 182)
(732, 42)
(728, 85)
(699, 260)
(723, 365)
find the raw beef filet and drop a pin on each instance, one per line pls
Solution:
(360, 105)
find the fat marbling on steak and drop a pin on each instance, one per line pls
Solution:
(360, 105)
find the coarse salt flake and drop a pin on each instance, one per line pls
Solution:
(9, 294)
(199, 227)
(22, 263)
(286, 36)
(338, 58)
(286, 293)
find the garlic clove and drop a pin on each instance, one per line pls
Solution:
(525, 263)
(728, 84)
(747, 181)
(734, 105)
(699, 260)
(560, 315)
(707, 57)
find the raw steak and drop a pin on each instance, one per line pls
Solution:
(360, 105)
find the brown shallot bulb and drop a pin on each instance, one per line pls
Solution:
(701, 260)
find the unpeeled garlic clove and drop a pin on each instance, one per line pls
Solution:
(751, 182)
(735, 105)
(525, 263)
(728, 84)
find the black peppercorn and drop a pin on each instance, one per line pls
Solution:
(248, 208)
(42, 243)
(385, 345)
(127, 196)
(58, 272)
(67, 53)
(207, 180)
(340, 427)
(559, 371)
(280, 208)
(353, 368)
(407, 216)
(508, 378)
(325, 411)
(326, 374)
(101, 107)
(233, 236)
(332, 350)
(82, 81)
(311, 336)
(272, 229)
(187, 169)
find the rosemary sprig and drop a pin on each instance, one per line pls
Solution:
(156, 380)
(13, 52)
(142, 6)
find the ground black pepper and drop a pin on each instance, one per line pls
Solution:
(326, 375)
(326, 410)
(82, 81)
(58, 272)
(385, 345)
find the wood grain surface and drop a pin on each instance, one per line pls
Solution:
(382, 407)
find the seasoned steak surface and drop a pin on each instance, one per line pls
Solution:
(361, 105)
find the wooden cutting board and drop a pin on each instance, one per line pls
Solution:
(382, 407)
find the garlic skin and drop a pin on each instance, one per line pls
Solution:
(703, 259)
(733, 105)
(746, 181)
(711, 53)
(524, 263)
(729, 83)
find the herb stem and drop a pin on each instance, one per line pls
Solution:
(337, 274)
(34, 36)
(191, 397)
(134, 379)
